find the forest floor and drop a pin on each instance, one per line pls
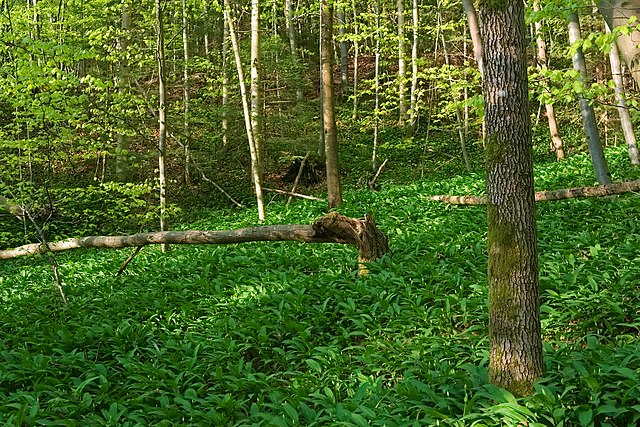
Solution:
(285, 334)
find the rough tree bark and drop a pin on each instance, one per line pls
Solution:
(514, 307)
(332, 228)
(549, 195)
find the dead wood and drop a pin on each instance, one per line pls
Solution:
(331, 228)
(292, 194)
(545, 196)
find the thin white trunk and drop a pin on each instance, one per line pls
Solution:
(356, 55)
(187, 130)
(225, 82)
(413, 109)
(402, 65)
(162, 128)
(623, 111)
(376, 111)
(255, 172)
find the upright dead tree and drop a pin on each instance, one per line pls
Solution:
(162, 118)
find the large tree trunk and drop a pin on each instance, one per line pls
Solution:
(514, 306)
(617, 14)
(588, 115)
(623, 111)
(332, 228)
(334, 192)
(549, 195)
(541, 57)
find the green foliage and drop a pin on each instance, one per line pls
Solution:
(286, 334)
(110, 208)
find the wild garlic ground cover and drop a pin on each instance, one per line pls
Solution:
(285, 334)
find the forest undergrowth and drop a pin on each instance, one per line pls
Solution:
(286, 334)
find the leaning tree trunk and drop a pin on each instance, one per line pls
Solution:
(474, 29)
(623, 111)
(332, 228)
(588, 115)
(514, 306)
(334, 192)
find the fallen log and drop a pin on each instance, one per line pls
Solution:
(331, 228)
(545, 196)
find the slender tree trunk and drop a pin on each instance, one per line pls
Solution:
(187, 130)
(122, 167)
(255, 172)
(514, 305)
(463, 143)
(474, 29)
(413, 109)
(356, 57)
(623, 111)
(162, 118)
(256, 104)
(376, 111)
(334, 192)
(402, 65)
(225, 82)
(588, 115)
(344, 53)
(291, 32)
(541, 57)
(206, 29)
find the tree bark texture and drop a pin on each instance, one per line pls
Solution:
(617, 13)
(332, 228)
(334, 192)
(344, 52)
(550, 195)
(588, 115)
(514, 305)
